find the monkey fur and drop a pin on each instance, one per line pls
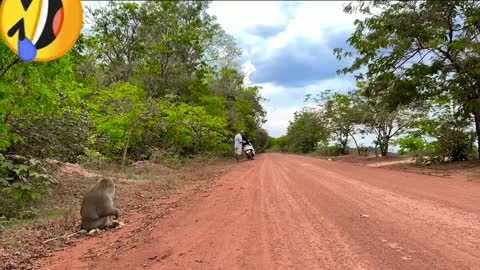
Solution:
(97, 206)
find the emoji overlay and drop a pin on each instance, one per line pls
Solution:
(40, 30)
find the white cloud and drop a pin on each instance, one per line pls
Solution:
(278, 120)
(236, 16)
(313, 21)
(280, 111)
(337, 83)
(248, 68)
(270, 90)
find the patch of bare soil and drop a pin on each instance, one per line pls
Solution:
(467, 170)
(139, 188)
(371, 161)
(147, 166)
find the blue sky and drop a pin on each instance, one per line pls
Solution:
(287, 50)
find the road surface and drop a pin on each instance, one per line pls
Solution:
(295, 212)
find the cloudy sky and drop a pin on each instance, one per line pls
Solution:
(288, 50)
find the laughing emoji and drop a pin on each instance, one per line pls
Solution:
(40, 30)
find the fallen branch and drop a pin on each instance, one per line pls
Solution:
(58, 237)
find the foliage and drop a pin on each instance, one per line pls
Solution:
(23, 181)
(277, 144)
(386, 123)
(449, 126)
(115, 112)
(343, 115)
(306, 131)
(411, 144)
(261, 139)
(334, 150)
(149, 80)
(418, 49)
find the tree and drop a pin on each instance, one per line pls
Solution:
(386, 123)
(450, 128)
(420, 48)
(306, 131)
(117, 112)
(343, 115)
(116, 40)
(261, 139)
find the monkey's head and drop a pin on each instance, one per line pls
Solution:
(107, 185)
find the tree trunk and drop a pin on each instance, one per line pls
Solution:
(384, 146)
(385, 150)
(356, 144)
(343, 143)
(129, 138)
(476, 115)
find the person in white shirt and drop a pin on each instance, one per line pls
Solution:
(238, 143)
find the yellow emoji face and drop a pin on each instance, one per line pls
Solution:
(40, 30)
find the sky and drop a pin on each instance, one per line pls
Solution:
(287, 50)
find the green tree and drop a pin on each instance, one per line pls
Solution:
(117, 112)
(306, 131)
(450, 128)
(386, 123)
(420, 49)
(411, 143)
(262, 138)
(343, 116)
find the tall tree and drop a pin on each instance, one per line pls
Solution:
(420, 48)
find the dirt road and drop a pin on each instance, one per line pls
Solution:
(294, 212)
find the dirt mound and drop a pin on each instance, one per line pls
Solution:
(69, 169)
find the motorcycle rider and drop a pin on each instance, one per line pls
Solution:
(245, 139)
(238, 145)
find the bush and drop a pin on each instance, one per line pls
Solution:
(410, 144)
(21, 185)
(336, 150)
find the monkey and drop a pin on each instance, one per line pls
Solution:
(97, 206)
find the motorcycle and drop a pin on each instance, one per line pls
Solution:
(249, 151)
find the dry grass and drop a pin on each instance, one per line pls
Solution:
(22, 244)
(467, 170)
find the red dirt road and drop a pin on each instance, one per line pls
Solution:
(295, 212)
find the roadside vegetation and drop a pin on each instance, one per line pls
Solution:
(154, 82)
(417, 65)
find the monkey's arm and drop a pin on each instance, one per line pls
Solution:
(109, 211)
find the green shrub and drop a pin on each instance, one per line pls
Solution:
(23, 182)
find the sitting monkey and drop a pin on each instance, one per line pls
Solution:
(97, 206)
